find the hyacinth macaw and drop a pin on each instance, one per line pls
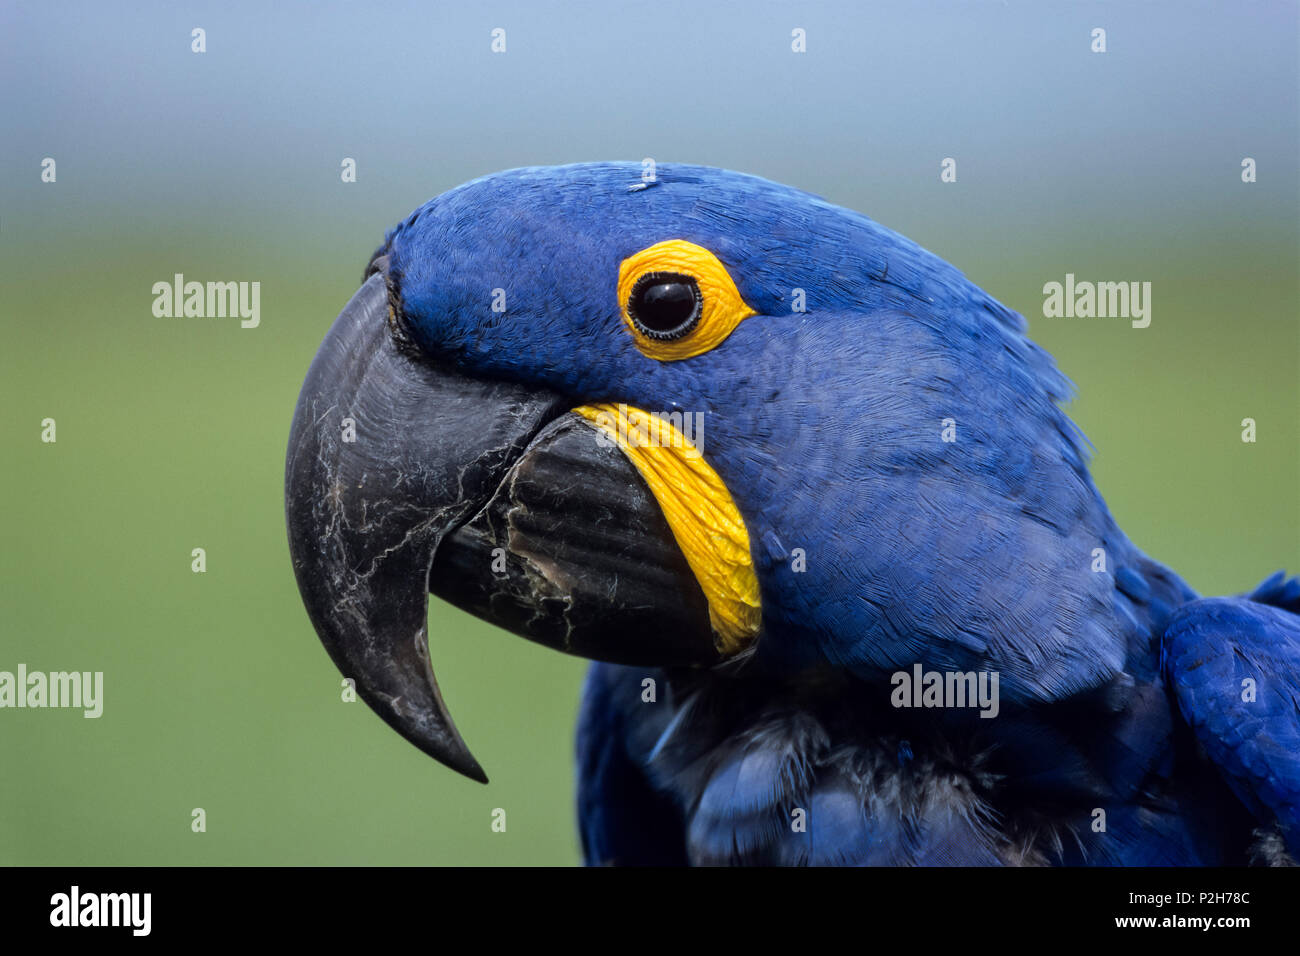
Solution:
(765, 461)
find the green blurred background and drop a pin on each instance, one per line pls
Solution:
(225, 166)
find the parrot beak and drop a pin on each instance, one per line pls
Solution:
(404, 476)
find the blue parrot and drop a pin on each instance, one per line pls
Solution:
(808, 499)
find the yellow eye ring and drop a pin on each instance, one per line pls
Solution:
(721, 308)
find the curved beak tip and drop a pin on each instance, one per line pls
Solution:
(471, 768)
(368, 502)
(404, 476)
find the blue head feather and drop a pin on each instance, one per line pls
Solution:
(826, 425)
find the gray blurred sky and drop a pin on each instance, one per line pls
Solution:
(1044, 130)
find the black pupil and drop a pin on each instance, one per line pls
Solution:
(665, 304)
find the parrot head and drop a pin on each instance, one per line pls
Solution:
(694, 420)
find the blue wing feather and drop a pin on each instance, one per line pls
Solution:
(1234, 665)
(622, 819)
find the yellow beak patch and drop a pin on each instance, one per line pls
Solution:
(700, 512)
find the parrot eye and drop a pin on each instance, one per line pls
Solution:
(678, 300)
(665, 305)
